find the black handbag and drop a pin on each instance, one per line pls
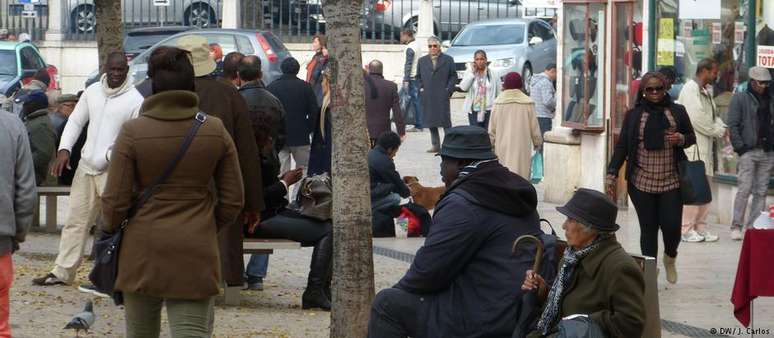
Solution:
(694, 186)
(105, 271)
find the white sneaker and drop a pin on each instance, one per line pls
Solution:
(708, 236)
(693, 237)
(736, 234)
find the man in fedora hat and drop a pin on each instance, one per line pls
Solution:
(465, 264)
(222, 100)
(751, 125)
(596, 278)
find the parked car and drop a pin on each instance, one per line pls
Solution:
(19, 61)
(263, 44)
(449, 16)
(197, 13)
(511, 45)
(138, 40)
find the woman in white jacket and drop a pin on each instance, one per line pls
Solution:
(482, 87)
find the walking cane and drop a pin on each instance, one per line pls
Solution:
(530, 304)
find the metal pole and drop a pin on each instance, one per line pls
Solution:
(751, 50)
(651, 35)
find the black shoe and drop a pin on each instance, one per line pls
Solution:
(255, 286)
(48, 280)
(315, 298)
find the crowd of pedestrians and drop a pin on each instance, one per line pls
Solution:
(216, 147)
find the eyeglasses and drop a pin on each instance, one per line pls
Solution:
(433, 46)
(654, 89)
(764, 84)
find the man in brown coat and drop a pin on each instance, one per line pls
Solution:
(223, 101)
(381, 96)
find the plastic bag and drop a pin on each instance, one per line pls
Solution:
(537, 167)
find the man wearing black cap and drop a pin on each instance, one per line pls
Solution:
(461, 283)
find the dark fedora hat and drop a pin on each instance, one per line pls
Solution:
(593, 209)
(467, 142)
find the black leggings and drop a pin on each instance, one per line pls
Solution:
(289, 224)
(656, 211)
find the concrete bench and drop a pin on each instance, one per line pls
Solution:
(232, 294)
(50, 193)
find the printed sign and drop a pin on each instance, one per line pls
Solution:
(160, 3)
(765, 56)
(716, 33)
(699, 9)
(666, 42)
(739, 29)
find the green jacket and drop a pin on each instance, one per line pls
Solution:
(609, 287)
(42, 142)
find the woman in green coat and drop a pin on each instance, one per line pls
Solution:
(597, 279)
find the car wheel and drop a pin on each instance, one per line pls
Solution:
(526, 76)
(83, 20)
(200, 15)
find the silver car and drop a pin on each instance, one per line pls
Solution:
(511, 45)
(449, 16)
(198, 13)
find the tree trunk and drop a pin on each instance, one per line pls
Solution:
(252, 14)
(109, 29)
(353, 269)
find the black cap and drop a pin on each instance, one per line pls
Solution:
(592, 208)
(467, 142)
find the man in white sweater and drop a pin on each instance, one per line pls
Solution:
(105, 106)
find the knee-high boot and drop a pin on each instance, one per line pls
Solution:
(314, 296)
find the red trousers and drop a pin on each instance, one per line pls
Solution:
(6, 278)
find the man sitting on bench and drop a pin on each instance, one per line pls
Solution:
(277, 221)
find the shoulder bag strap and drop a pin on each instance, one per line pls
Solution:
(148, 192)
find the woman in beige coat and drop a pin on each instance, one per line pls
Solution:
(513, 127)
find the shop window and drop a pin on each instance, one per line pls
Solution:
(583, 59)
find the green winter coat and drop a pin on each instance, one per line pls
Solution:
(42, 142)
(608, 287)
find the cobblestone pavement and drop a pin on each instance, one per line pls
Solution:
(698, 302)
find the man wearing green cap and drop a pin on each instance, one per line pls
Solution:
(223, 101)
(463, 280)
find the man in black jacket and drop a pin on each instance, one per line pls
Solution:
(381, 97)
(387, 188)
(300, 105)
(461, 283)
(260, 99)
(751, 125)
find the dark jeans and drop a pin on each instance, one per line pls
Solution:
(658, 211)
(414, 93)
(473, 117)
(397, 314)
(545, 124)
(435, 137)
(289, 224)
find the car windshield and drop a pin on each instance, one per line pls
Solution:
(7, 62)
(141, 42)
(485, 35)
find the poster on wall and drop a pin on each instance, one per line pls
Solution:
(739, 29)
(765, 56)
(716, 33)
(700, 9)
(666, 42)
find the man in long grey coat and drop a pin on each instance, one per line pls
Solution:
(436, 79)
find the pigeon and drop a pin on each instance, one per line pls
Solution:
(82, 320)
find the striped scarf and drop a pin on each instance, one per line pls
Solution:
(550, 314)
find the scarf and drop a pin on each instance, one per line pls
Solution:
(572, 257)
(656, 125)
(110, 92)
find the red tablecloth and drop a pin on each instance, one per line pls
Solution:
(754, 275)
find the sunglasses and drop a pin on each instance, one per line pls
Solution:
(764, 84)
(433, 46)
(654, 89)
